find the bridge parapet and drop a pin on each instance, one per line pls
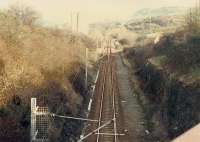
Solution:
(192, 135)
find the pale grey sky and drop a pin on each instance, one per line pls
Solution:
(58, 11)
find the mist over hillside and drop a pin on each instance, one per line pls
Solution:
(143, 23)
(163, 11)
(155, 19)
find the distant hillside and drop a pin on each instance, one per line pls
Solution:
(155, 24)
(144, 23)
(163, 11)
(156, 20)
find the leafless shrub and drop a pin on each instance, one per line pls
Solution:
(37, 61)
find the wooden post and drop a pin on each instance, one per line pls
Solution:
(86, 67)
(33, 119)
(71, 18)
(77, 22)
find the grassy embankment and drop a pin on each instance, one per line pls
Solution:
(169, 74)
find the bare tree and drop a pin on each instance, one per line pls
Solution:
(25, 15)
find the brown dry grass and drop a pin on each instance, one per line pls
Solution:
(37, 61)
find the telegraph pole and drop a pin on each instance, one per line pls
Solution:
(143, 33)
(150, 24)
(86, 67)
(77, 22)
(190, 19)
(71, 19)
(196, 12)
(199, 5)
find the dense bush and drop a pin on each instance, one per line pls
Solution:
(36, 61)
(182, 55)
(182, 47)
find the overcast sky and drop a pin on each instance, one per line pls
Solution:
(58, 11)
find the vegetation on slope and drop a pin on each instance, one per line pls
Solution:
(36, 61)
(176, 52)
(161, 20)
(181, 49)
(159, 12)
(169, 76)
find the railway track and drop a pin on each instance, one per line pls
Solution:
(106, 106)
